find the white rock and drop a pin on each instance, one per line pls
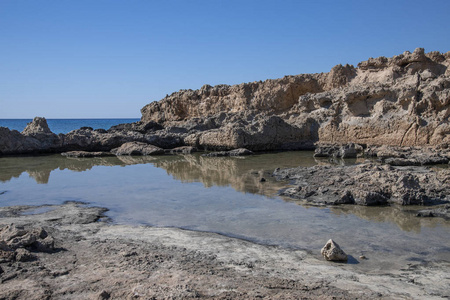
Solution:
(332, 251)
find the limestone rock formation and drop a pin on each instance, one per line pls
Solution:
(332, 251)
(399, 101)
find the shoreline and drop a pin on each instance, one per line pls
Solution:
(100, 260)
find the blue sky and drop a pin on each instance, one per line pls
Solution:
(108, 58)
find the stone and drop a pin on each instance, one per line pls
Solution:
(235, 152)
(14, 237)
(366, 184)
(331, 251)
(439, 212)
(86, 154)
(182, 150)
(37, 126)
(137, 148)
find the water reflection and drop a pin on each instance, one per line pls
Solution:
(241, 173)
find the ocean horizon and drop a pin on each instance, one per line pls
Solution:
(66, 125)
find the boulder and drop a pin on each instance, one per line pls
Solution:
(137, 148)
(332, 251)
(439, 212)
(37, 126)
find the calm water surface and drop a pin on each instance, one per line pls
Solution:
(224, 195)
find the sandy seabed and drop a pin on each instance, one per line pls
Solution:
(95, 259)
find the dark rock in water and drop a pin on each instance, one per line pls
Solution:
(367, 184)
(86, 154)
(182, 150)
(350, 150)
(137, 148)
(235, 152)
(440, 212)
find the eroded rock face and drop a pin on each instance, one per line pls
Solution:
(400, 101)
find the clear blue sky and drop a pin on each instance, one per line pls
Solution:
(108, 58)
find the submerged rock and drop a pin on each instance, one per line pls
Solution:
(235, 152)
(440, 212)
(331, 251)
(86, 154)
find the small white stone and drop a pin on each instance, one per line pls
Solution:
(332, 251)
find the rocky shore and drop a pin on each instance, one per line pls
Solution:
(71, 251)
(392, 114)
(401, 101)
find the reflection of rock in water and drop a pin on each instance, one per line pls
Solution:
(241, 173)
(40, 167)
(404, 219)
(40, 176)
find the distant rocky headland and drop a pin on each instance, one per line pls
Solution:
(399, 101)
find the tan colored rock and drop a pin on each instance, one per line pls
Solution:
(332, 251)
(38, 125)
(398, 101)
(137, 148)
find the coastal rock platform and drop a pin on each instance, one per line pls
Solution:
(93, 259)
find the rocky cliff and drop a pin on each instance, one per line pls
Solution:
(399, 101)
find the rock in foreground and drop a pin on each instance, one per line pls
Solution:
(332, 251)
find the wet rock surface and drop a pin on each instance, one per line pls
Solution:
(439, 212)
(367, 184)
(86, 154)
(235, 152)
(100, 261)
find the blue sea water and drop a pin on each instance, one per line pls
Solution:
(66, 125)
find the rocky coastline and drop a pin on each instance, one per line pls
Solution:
(401, 101)
(72, 251)
(392, 114)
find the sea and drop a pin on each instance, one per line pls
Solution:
(66, 125)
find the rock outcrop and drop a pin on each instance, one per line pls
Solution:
(367, 184)
(399, 101)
